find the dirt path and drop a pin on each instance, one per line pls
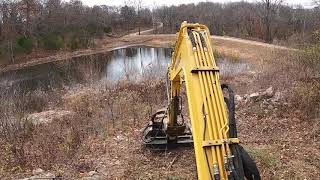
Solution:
(249, 42)
(148, 31)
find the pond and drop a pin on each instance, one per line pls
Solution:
(132, 63)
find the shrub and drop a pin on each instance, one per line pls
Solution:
(306, 94)
(92, 28)
(77, 42)
(306, 97)
(53, 42)
(107, 29)
(26, 44)
(4, 55)
(310, 58)
(316, 36)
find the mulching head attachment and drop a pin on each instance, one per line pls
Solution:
(157, 134)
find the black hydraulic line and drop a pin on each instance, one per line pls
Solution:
(192, 39)
(250, 168)
(234, 172)
(236, 164)
(231, 109)
(203, 42)
(204, 138)
(244, 165)
(217, 177)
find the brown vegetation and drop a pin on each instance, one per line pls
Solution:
(97, 111)
(103, 131)
(97, 126)
(268, 20)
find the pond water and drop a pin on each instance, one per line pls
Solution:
(138, 62)
(132, 63)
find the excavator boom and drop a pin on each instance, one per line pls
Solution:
(216, 146)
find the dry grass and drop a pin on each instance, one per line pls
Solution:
(281, 139)
(306, 89)
(103, 132)
(97, 110)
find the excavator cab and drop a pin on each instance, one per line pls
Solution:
(213, 132)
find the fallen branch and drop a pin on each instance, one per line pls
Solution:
(172, 162)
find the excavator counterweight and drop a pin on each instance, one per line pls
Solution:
(213, 127)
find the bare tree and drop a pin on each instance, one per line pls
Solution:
(267, 12)
(154, 18)
(139, 6)
(128, 15)
(10, 18)
(28, 6)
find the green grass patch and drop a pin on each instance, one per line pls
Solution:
(53, 42)
(25, 44)
(269, 160)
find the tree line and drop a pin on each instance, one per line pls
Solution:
(28, 25)
(266, 20)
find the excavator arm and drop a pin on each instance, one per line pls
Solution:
(216, 146)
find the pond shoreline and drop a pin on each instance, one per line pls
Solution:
(133, 63)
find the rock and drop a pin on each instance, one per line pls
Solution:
(82, 174)
(238, 98)
(251, 72)
(268, 93)
(254, 96)
(296, 120)
(37, 171)
(92, 173)
(277, 97)
(40, 174)
(49, 175)
(48, 116)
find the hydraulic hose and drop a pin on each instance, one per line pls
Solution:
(244, 166)
(237, 171)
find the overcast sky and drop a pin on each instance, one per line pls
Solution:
(150, 3)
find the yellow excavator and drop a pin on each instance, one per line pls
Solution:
(211, 110)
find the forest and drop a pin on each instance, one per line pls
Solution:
(28, 26)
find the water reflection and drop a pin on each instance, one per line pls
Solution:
(133, 64)
(56, 74)
(136, 63)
